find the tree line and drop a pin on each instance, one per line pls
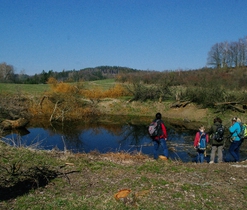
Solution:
(8, 75)
(228, 54)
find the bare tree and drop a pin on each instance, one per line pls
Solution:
(242, 56)
(233, 54)
(224, 54)
(6, 72)
(214, 56)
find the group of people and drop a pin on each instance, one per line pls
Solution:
(203, 138)
(218, 145)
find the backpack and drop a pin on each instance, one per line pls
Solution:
(154, 128)
(243, 131)
(218, 136)
(202, 145)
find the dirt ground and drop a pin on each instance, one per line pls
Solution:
(190, 112)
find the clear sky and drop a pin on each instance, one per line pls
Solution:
(59, 35)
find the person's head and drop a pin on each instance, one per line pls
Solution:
(234, 119)
(202, 128)
(217, 119)
(158, 116)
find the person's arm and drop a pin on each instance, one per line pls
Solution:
(163, 127)
(207, 138)
(231, 129)
(211, 131)
(196, 140)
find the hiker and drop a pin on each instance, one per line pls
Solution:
(160, 139)
(216, 134)
(200, 143)
(236, 142)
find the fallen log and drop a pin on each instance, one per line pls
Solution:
(180, 104)
(235, 106)
(226, 103)
(12, 124)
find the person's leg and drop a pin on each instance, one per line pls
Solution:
(198, 158)
(156, 148)
(237, 151)
(201, 156)
(232, 150)
(164, 146)
(212, 155)
(220, 154)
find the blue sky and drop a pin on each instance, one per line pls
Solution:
(160, 35)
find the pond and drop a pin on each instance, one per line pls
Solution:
(104, 134)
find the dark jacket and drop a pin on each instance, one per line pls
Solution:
(163, 133)
(212, 131)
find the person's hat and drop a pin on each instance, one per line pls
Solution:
(234, 119)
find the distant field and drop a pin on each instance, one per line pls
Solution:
(35, 89)
(23, 88)
(104, 84)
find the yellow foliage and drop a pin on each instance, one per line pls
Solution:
(64, 88)
(117, 91)
(52, 81)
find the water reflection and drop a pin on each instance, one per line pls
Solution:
(108, 134)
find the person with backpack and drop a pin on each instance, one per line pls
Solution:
(216, 139)
(200, 143)
(243, 133)
(236, 142)
(160, 138)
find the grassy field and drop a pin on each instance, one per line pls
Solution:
(102, 84)
(32, 179)
(35, 89)
(32, 89)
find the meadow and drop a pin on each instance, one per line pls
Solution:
(33, 179)
(38, 89)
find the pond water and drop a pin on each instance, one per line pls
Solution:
(108, 134)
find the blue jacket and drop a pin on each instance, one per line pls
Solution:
(235, 129)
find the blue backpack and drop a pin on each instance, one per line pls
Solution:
(202, 142)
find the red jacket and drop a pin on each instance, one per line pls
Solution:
(164, 135)
(197, 139)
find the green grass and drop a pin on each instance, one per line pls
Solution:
(91, 182)
(37, 89)
(34, 89)
(102, 84)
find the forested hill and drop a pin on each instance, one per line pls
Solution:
(86, 74)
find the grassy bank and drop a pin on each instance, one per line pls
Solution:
(66, 103)
(51, 180)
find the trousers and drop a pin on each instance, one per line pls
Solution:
(219, 149)
(156, 146)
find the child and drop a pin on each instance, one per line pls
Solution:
(200, 143)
